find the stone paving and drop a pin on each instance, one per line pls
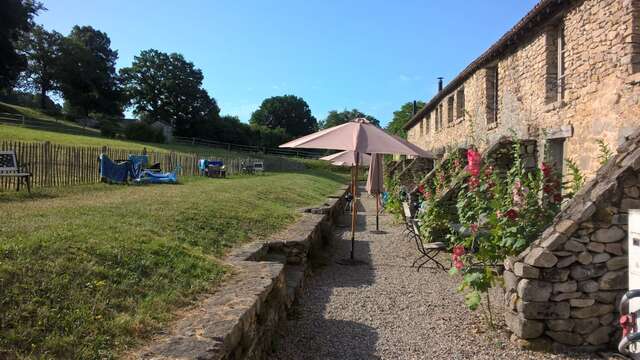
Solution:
(387, 310)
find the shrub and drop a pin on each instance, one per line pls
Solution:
(142, 131)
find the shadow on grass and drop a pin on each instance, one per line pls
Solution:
(22, 196)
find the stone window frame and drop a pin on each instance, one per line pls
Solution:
(439, 116)
(422, 127)
(450, 109)
(492, 93)
(460, 105)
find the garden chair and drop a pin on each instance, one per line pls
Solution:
(428, 251)
(9, 167)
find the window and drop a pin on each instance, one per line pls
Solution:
(460, 104)
(450, 102)
(555, 52)
(427, 124)
(437, 125)
(439, 116)
(492, 95)
(422, 127)
(555, 155)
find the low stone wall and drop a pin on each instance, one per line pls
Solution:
(563, 291)
(241, 319)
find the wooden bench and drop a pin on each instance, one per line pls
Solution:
(9, 167)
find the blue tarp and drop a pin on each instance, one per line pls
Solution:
(114, 172)
(149, 177)
(138, 163)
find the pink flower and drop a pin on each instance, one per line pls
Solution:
(458, 264)
(458, 250)
(474, 182)
(473, 159)
(488, 171)
(421, 189)
(474, 228)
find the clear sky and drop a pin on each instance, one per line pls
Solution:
(373, 55)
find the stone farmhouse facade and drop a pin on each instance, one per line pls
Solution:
(566, 75)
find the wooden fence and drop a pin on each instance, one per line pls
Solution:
(62, 165)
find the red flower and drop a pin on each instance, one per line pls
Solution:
(458, 250)
(421, 189)
(474, 228)
(546, 169)
(511, 214)
(557, 198)
(473, 159)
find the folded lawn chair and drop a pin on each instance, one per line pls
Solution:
(429, 251)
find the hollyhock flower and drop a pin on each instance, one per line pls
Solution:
(421, 189)
(473, 159)
(488, 171)
(525, 190)
(499, 214)
(511, 214)
(456, 163)
(474, 228)
(546, 169)
(474, 182)
(458, 250)
(427, 195)
(458, 264)
(557, 198)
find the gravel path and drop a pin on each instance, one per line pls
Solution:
(387, 310)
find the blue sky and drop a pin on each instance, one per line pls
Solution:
(373, 55)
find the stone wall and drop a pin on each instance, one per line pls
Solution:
(562, 293)
(242, 317)
(601, 97)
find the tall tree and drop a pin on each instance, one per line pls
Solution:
(288, 112)
(167, 87)
(16, 17)
(337, 118)
(42, 51)
(87, 72)
(401, 117)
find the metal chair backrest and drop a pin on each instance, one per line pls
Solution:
(8, 161)
(407, 210)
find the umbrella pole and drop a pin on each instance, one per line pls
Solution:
(377, 210)
(354, 208)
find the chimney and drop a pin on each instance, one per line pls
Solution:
(440, 84)
(413, 111)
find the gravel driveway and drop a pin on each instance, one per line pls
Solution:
(387, 310)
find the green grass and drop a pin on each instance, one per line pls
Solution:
(90, 271)
(38, 114)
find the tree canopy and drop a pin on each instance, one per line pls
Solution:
(337, 118)
(401, 117)
(167, 87)
(16, 18)
(42, 51)
(87, 73)
(288, 112)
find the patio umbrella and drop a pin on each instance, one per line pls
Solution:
(360, 136)
(375, 184)
(347, 158)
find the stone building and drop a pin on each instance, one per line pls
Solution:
(566, 75)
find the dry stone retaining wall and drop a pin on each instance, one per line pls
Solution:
(242, 317)
(562, 293)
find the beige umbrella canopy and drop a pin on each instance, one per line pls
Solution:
(348, 158)
(360, 136)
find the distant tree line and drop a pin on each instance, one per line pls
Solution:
(80, 68)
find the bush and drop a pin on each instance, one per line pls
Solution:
(143, 132)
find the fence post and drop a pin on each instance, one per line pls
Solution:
(104, 149)
(144, 150)
(23, 122)
(193, 141)
(47, 162)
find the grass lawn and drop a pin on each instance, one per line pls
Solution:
(89, 271)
